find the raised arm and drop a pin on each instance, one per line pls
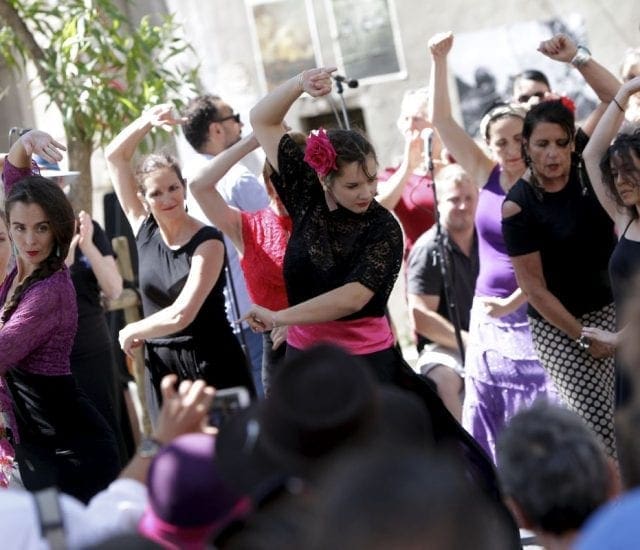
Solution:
(203, 186)
(463, 148)
(600, 79)
(267, 116)
(206, 266)
(119, 154)
(390, 191)
(603, 135)
(104, 266)
(18, 163)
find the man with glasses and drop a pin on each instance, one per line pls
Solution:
(530, 84)
(211, 126)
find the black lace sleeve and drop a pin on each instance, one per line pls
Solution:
(381, 257)
(297, 183)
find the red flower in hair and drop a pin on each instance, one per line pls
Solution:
(319, 153)
(568, 103)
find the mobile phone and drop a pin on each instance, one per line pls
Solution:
(226, 403)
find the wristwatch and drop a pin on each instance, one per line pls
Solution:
(581, 57)
(149, 447)
(583, 343)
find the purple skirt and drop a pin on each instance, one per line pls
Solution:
(502, 373)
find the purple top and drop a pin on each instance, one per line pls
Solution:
(496, 277)
(39, 335)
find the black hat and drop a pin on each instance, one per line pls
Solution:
(321, 400)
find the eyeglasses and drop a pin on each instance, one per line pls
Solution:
(235, 116)
(524, 98)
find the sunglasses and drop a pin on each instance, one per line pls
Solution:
(235, 116)
(526, 97)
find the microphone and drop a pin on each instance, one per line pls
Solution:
(427, 138)
(350, 82)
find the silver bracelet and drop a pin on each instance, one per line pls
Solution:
(581, 57)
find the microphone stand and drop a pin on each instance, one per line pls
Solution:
(443, 256)
(335, 113)
(340, 91)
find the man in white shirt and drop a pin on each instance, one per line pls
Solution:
(211, 126)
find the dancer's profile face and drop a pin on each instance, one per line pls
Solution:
(353, 189)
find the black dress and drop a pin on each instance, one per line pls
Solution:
(92, 361)
(330, 248)
(624, 266)
(207, 348)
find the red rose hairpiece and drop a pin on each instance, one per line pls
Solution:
(319, 153)
(568, 103)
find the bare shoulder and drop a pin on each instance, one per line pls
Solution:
(510, 208)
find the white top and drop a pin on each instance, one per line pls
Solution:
(115, 510)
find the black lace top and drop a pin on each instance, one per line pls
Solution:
(330, 248)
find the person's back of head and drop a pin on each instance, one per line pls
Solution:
(552, 468)
(188, 497)
(382, 498)
(201, 111)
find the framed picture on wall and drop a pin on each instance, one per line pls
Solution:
(366, 39)
(284, 37)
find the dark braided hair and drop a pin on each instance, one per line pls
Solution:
(621, 153)
(59, 212)
(554, 112)
(351, 146)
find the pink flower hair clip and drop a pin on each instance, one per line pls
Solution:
(319, 153)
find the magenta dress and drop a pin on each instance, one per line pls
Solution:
(502, 371)
(60, 438)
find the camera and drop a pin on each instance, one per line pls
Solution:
(226, 403)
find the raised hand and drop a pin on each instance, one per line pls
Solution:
(440, 44)
(414, 155)
(317, 82)
(42, 144)
(560, 47)
(163, 116)
(85, 229)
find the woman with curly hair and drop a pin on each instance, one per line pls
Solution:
(615, 172)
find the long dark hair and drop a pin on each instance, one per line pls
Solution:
(622, 148)
(554, 112)
(59, 212)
